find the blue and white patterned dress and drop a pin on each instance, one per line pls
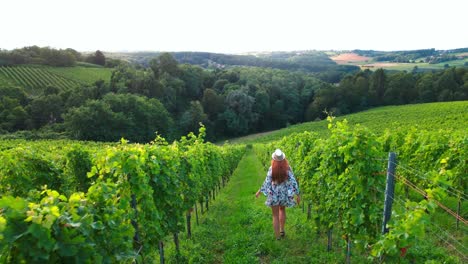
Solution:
(280, 194)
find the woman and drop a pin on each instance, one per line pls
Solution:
(280, 186)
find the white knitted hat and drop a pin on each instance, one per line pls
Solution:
(278, 155)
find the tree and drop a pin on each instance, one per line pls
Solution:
(55, 57)
(324, 100)
(192, 76)
(46, 109)
(212, 103)
(190, 119)
(95, 121)
(425, 88)
(99, 58)
(262, 103)
(238, 115)
(401, 89)
(171, 94)
(277, 116)
(74, 53)
(119, 115)
(164, 63)
(219, 85)
(377, 87)
(13, 92)
(12, 115)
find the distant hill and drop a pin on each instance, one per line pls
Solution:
(307, 61)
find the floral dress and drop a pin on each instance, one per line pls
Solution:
(280, 194)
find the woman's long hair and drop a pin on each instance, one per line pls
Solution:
(279, 171)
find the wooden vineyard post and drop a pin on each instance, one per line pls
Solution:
(176, 242)
(458, 212)
(161, 252)
(196, 212)
(189, 224)
(309, 211)
(348, 250)
(459, 205)
(329, 244)
(389, 191)
(136, 237)
(207, 201)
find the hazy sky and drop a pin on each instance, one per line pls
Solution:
(234, 26)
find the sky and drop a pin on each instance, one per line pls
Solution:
(234, 26)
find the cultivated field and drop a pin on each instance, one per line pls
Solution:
(431, 116)
(35, 77)
(350, 58)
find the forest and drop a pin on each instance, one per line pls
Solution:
(171, 98)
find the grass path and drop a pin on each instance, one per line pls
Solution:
(238, 228)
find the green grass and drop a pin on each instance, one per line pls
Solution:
(431, 116)
(238, 228)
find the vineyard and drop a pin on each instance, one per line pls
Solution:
(83, 75)
(343, 183)
(33, 78)
(451, 116)
(38, 77)
(116, 203)
(81, 202)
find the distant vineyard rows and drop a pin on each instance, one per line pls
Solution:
(33, 78)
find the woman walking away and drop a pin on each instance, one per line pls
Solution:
(280, 186)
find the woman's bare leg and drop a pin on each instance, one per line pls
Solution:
(276, 222)
(282, 217)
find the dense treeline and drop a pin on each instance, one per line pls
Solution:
(370, 89)
(172, 99)
(52, 57)
(230, 102)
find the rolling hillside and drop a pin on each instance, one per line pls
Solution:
(431, 116)
(307, 61)
(33, 78)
